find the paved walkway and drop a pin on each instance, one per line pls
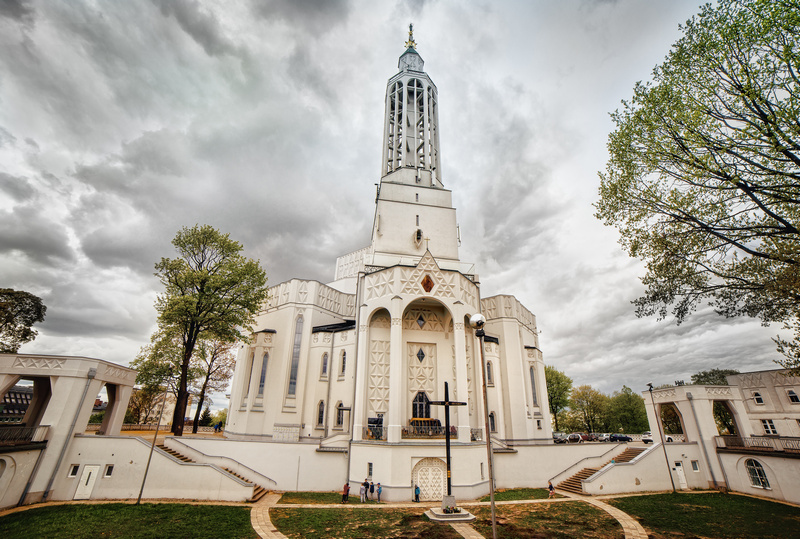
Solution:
(259, 515)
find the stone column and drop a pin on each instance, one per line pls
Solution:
(396, 375)
(462, 418)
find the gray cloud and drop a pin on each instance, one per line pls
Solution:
(21, 10)
(18, 188)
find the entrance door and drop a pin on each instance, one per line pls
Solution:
(431, 476)
(84, 490)
(681, 476)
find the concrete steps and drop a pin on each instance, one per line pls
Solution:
(574, 484)
(258, 491)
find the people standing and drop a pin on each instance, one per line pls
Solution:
(363, 491)
(346, 492)
(380, 489)
(416, 493)
(371, 490)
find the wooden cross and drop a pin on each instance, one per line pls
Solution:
(447, 403)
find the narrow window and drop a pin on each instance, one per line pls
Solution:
(539, 424)
(263, 378)
(109, 470)
(339, 415)
(421, 407)
(758, 478)
(489, 377)
(758, 398)
(417, 220)
(369, 470)
(73, 471)
(533, 385)
(481, 471)
(325, 365)
(769, 426)
(492, 426)
(298, 334)
(793, 398)
(344, 363)
(695, 466)
(321, 413)
(249, 374)
(417, 201)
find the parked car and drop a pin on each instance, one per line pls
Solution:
(559, 438)
(647, 438)
(575, 438)
(620, 438)
(603, 437)
(592, 437)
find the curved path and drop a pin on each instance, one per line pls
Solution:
(259, 515)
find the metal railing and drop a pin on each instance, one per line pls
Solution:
(428, 431)
(20, 435)
(759, 443)
(374, 433)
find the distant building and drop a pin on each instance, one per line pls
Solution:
(15, 404)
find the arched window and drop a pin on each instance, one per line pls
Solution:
(489, 377)
(324, 372)
(298, 335)
(533, 384)
(339, 414)
(344, 363)
(758, 478)
(321, 413)
(492, 424)
(421, 407)
(263, 378)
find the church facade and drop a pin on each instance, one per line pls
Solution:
(354, 365)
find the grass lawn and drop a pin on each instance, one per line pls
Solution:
(301, 498)
(535, 521)
(323, 523)
(712, 515)
(519, 494)
(130, 521)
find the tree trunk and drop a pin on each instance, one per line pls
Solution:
(199, 411)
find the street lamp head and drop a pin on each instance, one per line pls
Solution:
(650, 386)
(476, 321)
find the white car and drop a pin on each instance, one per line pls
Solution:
(647, 438)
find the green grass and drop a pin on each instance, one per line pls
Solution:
(519, 494)
(712, 515)
(117, 520)
(321, 498)
(352, 523)
(559, 520)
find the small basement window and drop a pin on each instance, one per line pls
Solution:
(73, 471)
(109, 470)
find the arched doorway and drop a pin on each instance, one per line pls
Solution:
(430, 474)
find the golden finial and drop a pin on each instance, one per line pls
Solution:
(411, 44)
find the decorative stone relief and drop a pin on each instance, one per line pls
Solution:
(431, 320)
(39, 363)
(428, 279)
(396, 321)
(327, 338)
(362, 328)
(470, 377)
(115, 372)
(459, 326)
(378, 386)
(316, 338)
(750, 379)
(455, 385)
(720, 391)
(421, 374)
(287, 433)
(344, 336)
(380, 321)
(430, 474)
(468, 291)
(664, 394)
(378, 285)
(302, 293)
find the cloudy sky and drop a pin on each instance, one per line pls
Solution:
(121, 122)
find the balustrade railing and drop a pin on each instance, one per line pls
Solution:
(374, 433)
(759, 443)
(428, 431)
(18, 435)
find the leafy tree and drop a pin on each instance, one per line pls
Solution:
(559, 386)
(570, 421)
(97, 418)
(671, 419)
(703, 180)
(215, 363)
(626, 412)
(144, 404)
(221, 416)
(19, 310)
(211, 290)
(591, 405)
(713, 377)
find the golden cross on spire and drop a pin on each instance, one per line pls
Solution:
(411, 43)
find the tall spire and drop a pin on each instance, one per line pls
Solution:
(411, 44)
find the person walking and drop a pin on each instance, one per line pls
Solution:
(346, 492)
(379, 489)
(371, 490)
(416, 493)
(551, 489)
(363, 492)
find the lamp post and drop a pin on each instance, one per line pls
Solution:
(155, 436)
(477, 322)
(661, 435)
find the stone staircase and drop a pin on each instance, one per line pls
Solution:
(258, 492)
(574, 484)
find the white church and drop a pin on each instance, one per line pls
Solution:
(353, 365)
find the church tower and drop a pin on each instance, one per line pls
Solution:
(414, 211)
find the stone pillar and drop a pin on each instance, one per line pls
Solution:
(462, 417)
(362, 369)
(396, 375)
